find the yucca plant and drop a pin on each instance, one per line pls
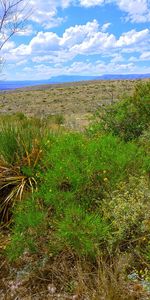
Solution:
(20, 153)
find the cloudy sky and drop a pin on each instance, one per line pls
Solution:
(84, 37)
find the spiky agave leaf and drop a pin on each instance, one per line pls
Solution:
(13, 186)
(20, 153)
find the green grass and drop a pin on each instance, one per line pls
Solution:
(129, 117)
(84, 194)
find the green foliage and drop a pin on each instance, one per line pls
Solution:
(147, 254)
(91, 191)
(144, 140)
(28, 220)
(21, 148)
(80, 169)
(128, 208)
(129, 117)
(18, 139)
(80, 231)
(8, 143)
(77, 174)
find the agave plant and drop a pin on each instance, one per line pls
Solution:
(20, 153)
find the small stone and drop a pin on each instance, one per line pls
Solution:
(51, 288)
(75, 297)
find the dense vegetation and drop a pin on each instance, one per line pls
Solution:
(82, 197)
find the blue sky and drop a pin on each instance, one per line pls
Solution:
(80, 37)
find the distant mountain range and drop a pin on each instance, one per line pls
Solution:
(123, 76)
(74, 78)
(11, 85)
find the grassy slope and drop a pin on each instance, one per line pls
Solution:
(103, 279)
(76, 101)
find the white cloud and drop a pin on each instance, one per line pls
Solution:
(79, 33)
(45, 12)
(21, 62)
(78, 68)
(145, 55)
(117, 57)
(45, 41)
(132, 37)
(105, 27)
(88, 39)
(89, 3)
(137, 10)
(27, 31)
(133, 59)
(8, 46)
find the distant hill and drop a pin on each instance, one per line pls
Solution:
(122, 76)
(74, 78)
(12, 85)
(70, 78)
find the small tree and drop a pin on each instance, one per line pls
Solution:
(13, 14)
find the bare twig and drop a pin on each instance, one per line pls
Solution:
(13, 15)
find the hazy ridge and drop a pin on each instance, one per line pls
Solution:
(11, 85)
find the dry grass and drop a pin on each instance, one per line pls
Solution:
(74, 101)
(67, 277)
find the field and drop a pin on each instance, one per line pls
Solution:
(75, 192)
(76, 101)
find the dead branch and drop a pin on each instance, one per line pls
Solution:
(13, 16)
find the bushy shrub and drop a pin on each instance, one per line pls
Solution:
(79, 231)
(28, 226)
(81, 183)
(129, 117)
(128, 208)
(75, 175)
(144, 140)
(79, 170)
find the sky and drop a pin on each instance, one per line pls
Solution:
(80, 37)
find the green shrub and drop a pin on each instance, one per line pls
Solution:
(79, 169)
(28, 226)
(129, 117)
(79, 191)
(128, 209)
(80, 231)
(144, 140)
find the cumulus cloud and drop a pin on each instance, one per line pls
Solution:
(132, 37)
(137, 10)
(88, 39)
(45, 41)
(79, 33)
(45, 12)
